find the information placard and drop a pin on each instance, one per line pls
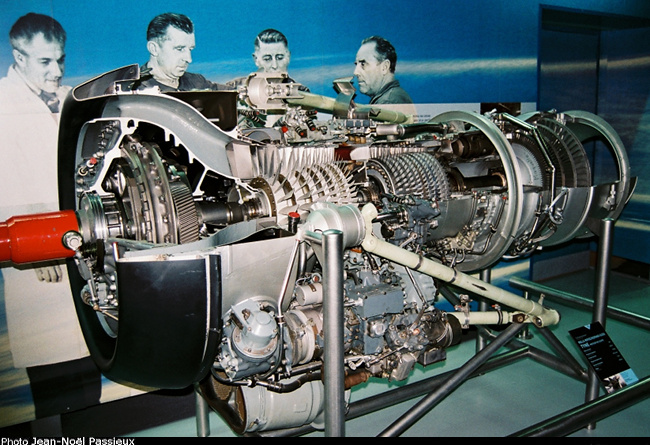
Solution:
(603, 356)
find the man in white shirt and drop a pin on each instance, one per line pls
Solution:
(42, 323)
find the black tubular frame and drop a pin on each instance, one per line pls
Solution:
(436, 388)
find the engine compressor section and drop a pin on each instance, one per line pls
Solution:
(195, 244)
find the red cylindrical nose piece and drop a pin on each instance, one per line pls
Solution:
(39, 237)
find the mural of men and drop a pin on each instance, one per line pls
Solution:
(47, 347)
(41, 318)
(170, 42)
(375, 72)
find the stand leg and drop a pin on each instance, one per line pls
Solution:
(601, 293)
(333, 366)
(486, 275)
(202, 415)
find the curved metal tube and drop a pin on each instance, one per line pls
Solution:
(328, 105)
(209, 143)
(614, 313)
(586, 125)
(541, 316)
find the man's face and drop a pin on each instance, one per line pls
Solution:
(272, 57)
(368, 70)
(41, 62)
(173, 53)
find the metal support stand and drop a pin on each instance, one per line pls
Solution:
(613, 313)
(486, 275)
(525, 333)
(463, 373)
(600, 312)
(572, 420)
(601, 294)
(333, 360)
(202, 414)
(435, 389)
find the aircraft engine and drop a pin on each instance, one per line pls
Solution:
(196, 245)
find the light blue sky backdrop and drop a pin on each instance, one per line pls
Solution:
(448, 50)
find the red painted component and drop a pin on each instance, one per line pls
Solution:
(39, 237)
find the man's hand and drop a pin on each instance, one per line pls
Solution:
(49, 274)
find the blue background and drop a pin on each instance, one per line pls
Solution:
(448, 50)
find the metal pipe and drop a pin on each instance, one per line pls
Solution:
(612, 312)
(449, 295)
(565, 355)
(486, 275)
(333, 322)
(328, 105)
(525, 333)
(601, 294)
(540, 315)
(202, 414)
(428, 402)
(489, 317)
(417, 389)
(557, 364)
(496, 317)
(566, 365)
(576, 418)
(601, 289)
(287, 277)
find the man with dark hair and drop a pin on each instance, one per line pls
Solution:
(42, 324)
(30, 101)
(272, 53)
(170, 42)
(38, 43)
(272, 56)
(375, 72)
